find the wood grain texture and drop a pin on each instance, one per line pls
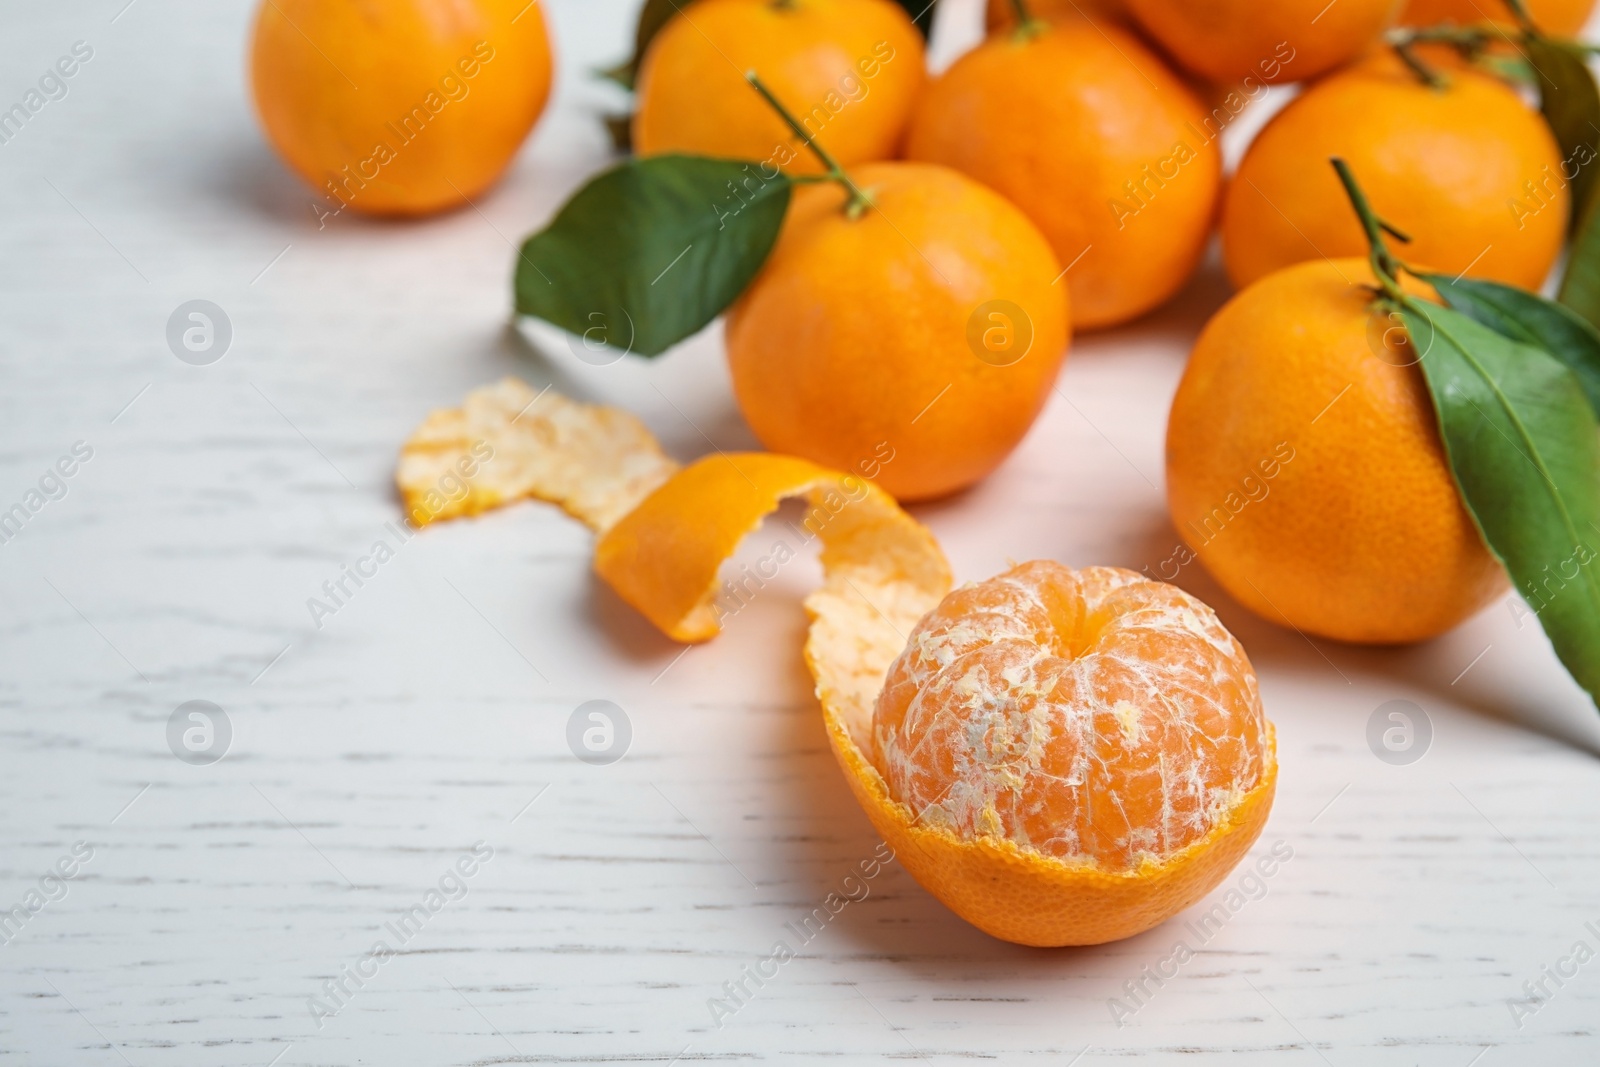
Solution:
(430, 711)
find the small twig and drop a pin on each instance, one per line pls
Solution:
(1384, 265)
(859, 199)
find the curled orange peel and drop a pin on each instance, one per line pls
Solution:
(664, 532)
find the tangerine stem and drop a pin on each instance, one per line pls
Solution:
(1027, 25)
(858, 198)
(1520, 13)
(1384, 266)
(1428, 76)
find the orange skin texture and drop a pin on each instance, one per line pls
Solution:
(851, 349)
(1562, 17)
(1108, 118)
(847, 69)
(402, 54)
(1229, 40)
(1307, 472)
(1442, 165)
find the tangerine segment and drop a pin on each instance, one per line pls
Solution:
(1091, 715)
(506, 443)
(884, 569)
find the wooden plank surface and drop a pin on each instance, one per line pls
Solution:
(611, 911)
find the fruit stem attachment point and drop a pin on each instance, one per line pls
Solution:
(1027, 25)
(859, 200)
(1384, 265)
(1426, 74)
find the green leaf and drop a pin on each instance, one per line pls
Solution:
(1531, 320)
(1524, 446)
(1511, 68)
(652, 250)
(921, 12)
(1570, 103)
(652, 17)
(1580, 286)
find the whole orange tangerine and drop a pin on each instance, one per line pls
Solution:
(1102, 731)
(1281, 41)
(1305, 469)
(1564, 17)
(1468, 171)
(1107, 150)
(849, 70)
(913, 342)
(399, 108)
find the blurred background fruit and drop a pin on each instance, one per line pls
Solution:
(879, 345)
(403, 107)
(1448, 166)
(1553, 16)
(848, 69)
(1003, 13)
(1277, 41)
(1305, 469)
(1103, 146)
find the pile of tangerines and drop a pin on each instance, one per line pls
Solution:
(902, 259)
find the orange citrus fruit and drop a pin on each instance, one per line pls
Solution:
(914, 343)
(1305, 469)
(849, 70)
(1106, 149)
(399, 108)
(1468, 171)
(1097, 729)
(1564, 17)
(1280, 41)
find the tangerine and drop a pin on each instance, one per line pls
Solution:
(851, 69)
(1282, 41)
(1561, 17)
(1126, 182)
(931, 396)
(1305, 468)
(399, 108)
(1103, 730)
(1467, 170)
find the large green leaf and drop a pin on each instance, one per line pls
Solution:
(1580, 286)
(652, 250)
(1524, 446)
(652, 17)
(1570, 103)
(1530, 319)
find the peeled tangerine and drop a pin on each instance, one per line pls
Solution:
(1075, 755)
(1062, 757)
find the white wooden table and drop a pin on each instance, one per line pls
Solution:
(210, 905)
